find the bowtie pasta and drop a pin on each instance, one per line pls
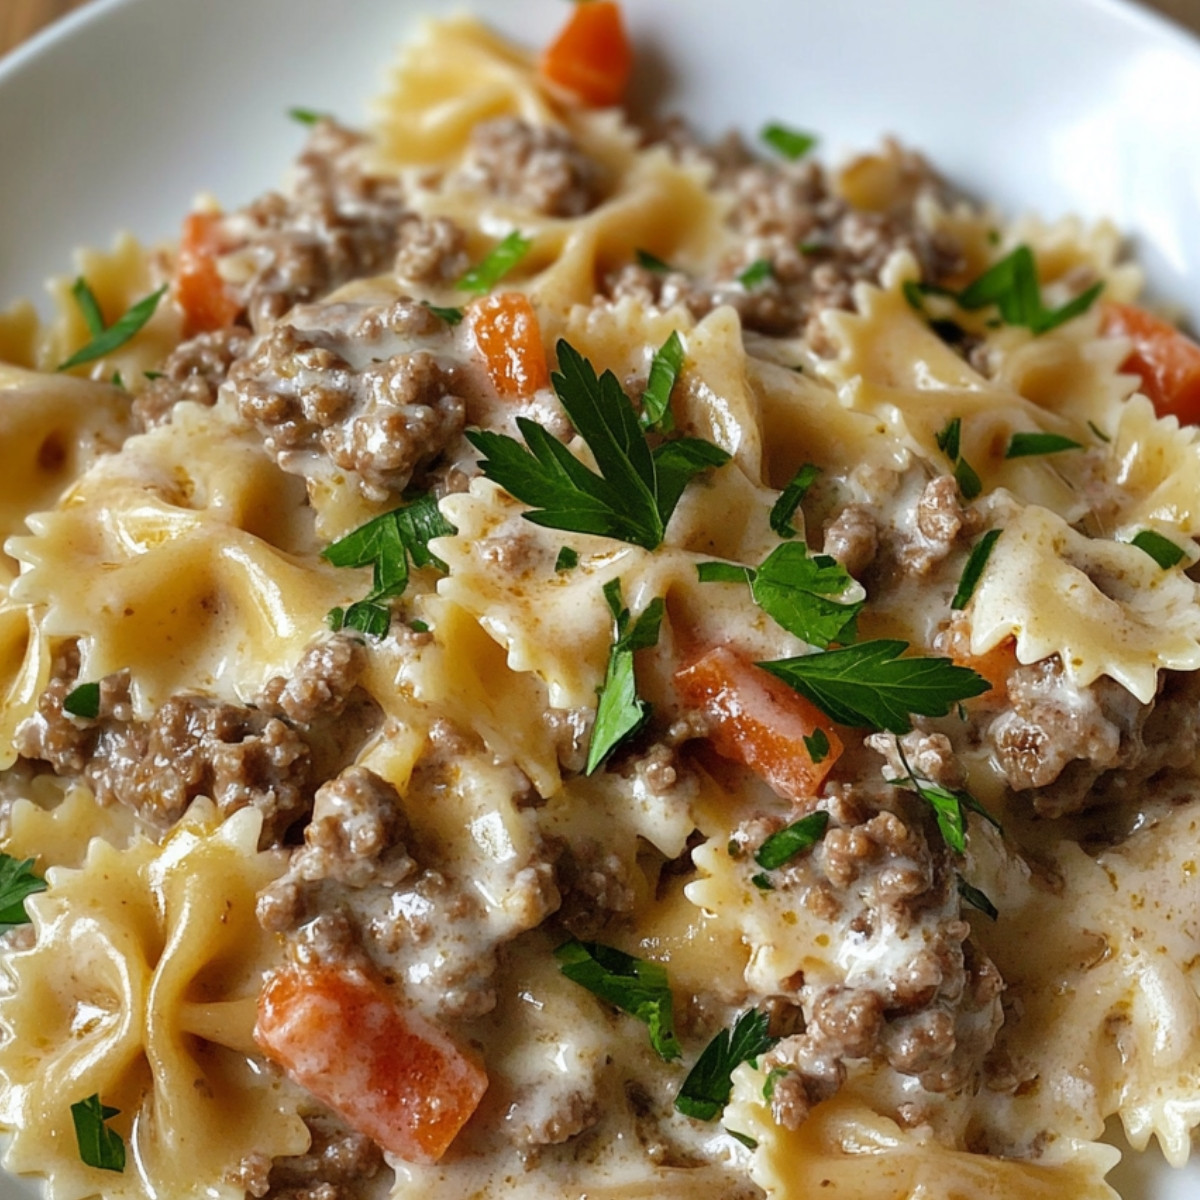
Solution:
(553, 658)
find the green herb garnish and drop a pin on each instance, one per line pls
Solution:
(633, 985)
(801, 835)
(762, 881)
(567, 560)
(1023, 445)
(976, 899)
(1099, 432)
(949, 443)
(83, 701)
(790, 143)
(306, 116)
(744, 1138)
(17, 883)
(652, 262)
(89, 306)
(1012, 286)
(789, 500)
(976, 561)
(796, 589)
(115, 335)
(503, 257)
(871, 685)
(950, 805)
(1164, 551)
(452, 316)
(656, 399)
(708, 1085)
(99, 1146)
(757, 272)
(620, 712)
(817, 745)
(636, 491)
(386, 544)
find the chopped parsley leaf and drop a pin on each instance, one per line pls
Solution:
(762, 881)
(950, 805)
(976, 899)
(792, 144)
(18, 882)
(117, 334)
(1099, 432)
(567, 559)
(871, 685)
(452, 316)
(656, 399)
(706, 1090)
(1164, 551)
(1024, 445)
(636, 491)
(89, 306)
(306, 116)
(83, 701)
(948, 441)
(976, 561)
(633, 985)
(789, 500)
(484, 276)
(652, 262)
(817, 745)
(744, 1138)
(1011, 284)
(798, 590)
(783, 846)
(757, 272)
(620, 711)
(99, 1146)
(386, 544)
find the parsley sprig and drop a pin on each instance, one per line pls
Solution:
(386, 544)
(784, 509)
(1164, 551)
(950, 805)
(106, 339)
(798, 590)
(871, 685)
(634, 985)
(949, 443)
(636, 491)
(620, 712)
(497, 263)
(781, 847)
(18, 881)
(1011, 284)
(99, 1146)
(706, 1090)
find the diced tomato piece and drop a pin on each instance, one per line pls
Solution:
(199, 289)
(592, 56)
(1167, 360)
(389, 1073)
(508, 336)
(758, 721)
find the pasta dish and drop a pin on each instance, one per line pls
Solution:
(550, 657)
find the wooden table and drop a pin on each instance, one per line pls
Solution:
(20, 19)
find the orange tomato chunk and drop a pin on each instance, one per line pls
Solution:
(758, 721)
(389, 1073)
(1167, 360)
(592, 56)
(199, 289)
(508, 336)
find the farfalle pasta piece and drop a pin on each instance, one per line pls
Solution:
(52, 428)
(55, 822)
(25, 661)
(1105, 607)
(141, 986)
(1155, 470)
(451, 78)
(891, 364)
(119, 279)
(846, 1149)
(193, 562)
